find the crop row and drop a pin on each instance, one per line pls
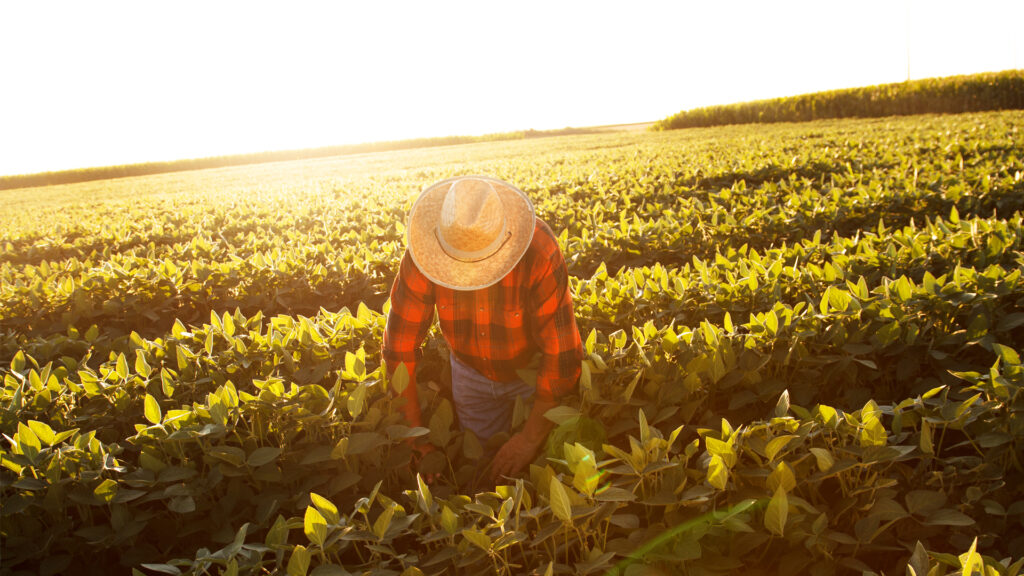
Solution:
(801, 355)
(308, 401)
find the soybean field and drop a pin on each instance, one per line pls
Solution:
(802, 356)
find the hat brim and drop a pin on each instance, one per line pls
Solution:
(446, 271)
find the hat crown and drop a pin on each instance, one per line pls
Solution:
(473, 223)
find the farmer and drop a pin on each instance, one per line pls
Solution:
(497, 278)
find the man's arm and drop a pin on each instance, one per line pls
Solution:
(412, 312)
(523, 446)
(556, 334)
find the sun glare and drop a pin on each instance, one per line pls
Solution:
(133, 82)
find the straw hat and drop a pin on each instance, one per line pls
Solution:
(468, 232)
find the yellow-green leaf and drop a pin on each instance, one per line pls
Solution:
(874, 433)
(478, 539)
(383, 522)
(141, 366)
(776, 445)
(106, 490)
(424, 493)
(400, 378)
(122, 366)
(449, 521)
(152, 410)
(43, 432)
(777, 512)
(926, 438)
(315, 526)
(824, 458)
(560, 505)
(971, 561)
(298, 564)
(782, 477)
(718, 472)
(326, 507)
(263, 455)
(27, 438)
(829, 416)
(278, 533)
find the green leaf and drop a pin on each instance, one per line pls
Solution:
(561, 414)
(152, 410)
(163, 569)
(122, 367)
(362, 442)
(326, 507)
(182, 504)
(141, 366)
(613, 494)
(829, 416)
(782, 477)
(924, 502)
(357, 400)
(873, 434)
(278, 533)
(43, 432)
(771, 321)
(28, 439)
(424, 494)
(231, 454)
(315, 526)
(824, 459)
(441, 424)
(298, 564)
(948, 517)
(926, 438)
(383, 522)
(18, 362)
(919, 560)
(478, 539)
(449, 521)
(1007, 354)
(400, 378)
(106, 491)
(718, 473)
(228, 324)
(971, 561)
(560, 505)
(782, 406)
(262, 455)
(777, 512)
(777, 444)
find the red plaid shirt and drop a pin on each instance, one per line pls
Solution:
(496, 330)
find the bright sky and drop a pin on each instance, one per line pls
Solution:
(100, 83)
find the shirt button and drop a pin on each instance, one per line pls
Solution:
(481, 333)
(481, 308)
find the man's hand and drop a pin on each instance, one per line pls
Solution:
(419, 450)
(522, 447)
(514, 456)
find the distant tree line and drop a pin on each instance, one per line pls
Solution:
(950, 95)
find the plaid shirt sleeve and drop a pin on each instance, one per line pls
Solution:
(554, 326)
(410, 317)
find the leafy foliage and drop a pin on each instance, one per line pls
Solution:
(802, 355)
(952, 95)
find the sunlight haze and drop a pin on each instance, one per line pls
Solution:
(90, 84)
